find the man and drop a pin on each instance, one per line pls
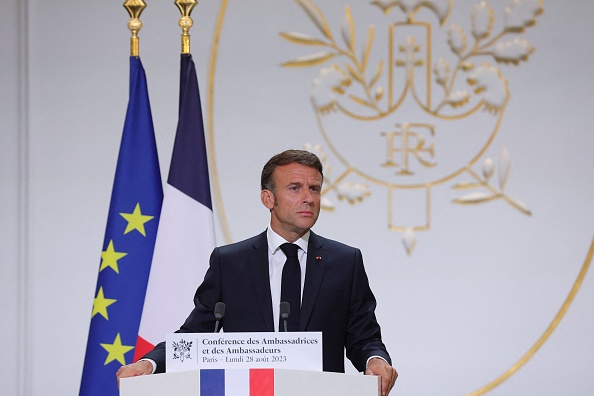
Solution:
(248, 277)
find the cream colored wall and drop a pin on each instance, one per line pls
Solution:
(481, 286)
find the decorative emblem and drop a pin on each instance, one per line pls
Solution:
(415, 104)
(181, 350)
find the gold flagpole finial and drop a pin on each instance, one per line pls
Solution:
(135, 8)
(185, 22)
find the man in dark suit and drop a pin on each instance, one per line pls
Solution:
(248, 277)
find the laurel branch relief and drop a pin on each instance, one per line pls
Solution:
(469, 79)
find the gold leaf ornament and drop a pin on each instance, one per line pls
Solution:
(361, 101)
(457, 39)
(327, 205)
(352, 192)
(309, 60)
(303, 39)
(488, 81)
(330, 82)
(385, 5)
(409, 240)
(467, 185)
(482, 20)
(513, 51)
(504, 167)
(521, 14)
(475, 198)
(317, 17)
(520, 206)
(442, 71)
(379, 93)
(354, 74)
(458, 98)
(466, 66)
(488, 168)
(319, 152)
(348, 30)
(441, 8)
(367, 49)
(378, 73)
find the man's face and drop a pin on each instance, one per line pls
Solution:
(295, 206)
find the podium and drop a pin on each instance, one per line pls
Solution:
(250, 382)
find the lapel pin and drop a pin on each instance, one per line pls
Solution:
(318, 257)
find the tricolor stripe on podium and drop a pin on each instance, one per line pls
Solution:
(248, 382)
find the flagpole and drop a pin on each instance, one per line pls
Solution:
(185, 22)
(135, 8)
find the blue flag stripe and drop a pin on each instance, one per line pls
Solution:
(212, 382)
(189, 165)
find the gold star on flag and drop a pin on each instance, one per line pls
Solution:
(136, 220)
(109, 258)
(116, 351)
(101, 303)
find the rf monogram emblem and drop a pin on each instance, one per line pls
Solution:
(410, 143)
(415, 103)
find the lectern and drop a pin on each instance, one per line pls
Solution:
(250, 382)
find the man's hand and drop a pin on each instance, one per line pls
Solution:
(142, 367)
(377, 366)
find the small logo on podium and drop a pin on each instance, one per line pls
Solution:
(181, 350)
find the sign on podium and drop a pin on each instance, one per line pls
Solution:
(247, 364)
(294, 350)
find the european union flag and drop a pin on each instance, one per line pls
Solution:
(127, 253)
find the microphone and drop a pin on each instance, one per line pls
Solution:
(285, 312)
(219, 312)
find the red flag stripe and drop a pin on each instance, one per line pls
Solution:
(261, 382)
(142, 348)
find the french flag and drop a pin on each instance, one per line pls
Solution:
(185, 237)
(248, 382)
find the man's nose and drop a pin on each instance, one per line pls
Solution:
(307, 197)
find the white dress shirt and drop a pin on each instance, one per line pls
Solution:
(276, 262)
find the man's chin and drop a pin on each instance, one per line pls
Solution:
(306, 224)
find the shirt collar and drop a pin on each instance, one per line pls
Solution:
(275, 240)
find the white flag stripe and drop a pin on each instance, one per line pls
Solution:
(237, 382)
(184, 242)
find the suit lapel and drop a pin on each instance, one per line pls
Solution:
(314, 274)
(258, 262)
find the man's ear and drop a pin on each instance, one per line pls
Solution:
(267, 198)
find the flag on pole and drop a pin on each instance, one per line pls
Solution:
(130, 235)
(186, 231)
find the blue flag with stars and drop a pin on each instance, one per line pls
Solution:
(128, 246)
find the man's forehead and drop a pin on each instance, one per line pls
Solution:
(297, 172)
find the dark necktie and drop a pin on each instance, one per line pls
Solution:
(291, 286)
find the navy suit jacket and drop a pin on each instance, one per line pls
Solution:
(337, 299)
